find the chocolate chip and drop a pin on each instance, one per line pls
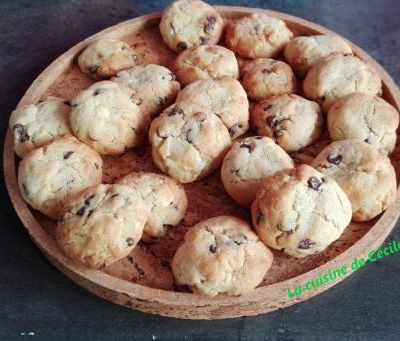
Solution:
(81, 212)
(96, 165)
(114, 195)
(232, 130)
(88, 200)
(129, 241)
(204, 40)
(67, 102)
(314, 183)
(167, 226)
(176, 111)
(93, 69)
(272, 121)
(266, 71)
(137, 101)
(97, 92)
(138, 269)
(67, 155)
(213, 248)
(135, 57)
(130, 259)
(239, 239)
(306, 244)
(334, 159)
(173, 77)
(260, 218)
(366, 140)
(258, 137)
(250, 147)
(209, 27)
(181, 46)
(161, 101)
(20, 133)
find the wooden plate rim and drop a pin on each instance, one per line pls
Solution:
(277, 292)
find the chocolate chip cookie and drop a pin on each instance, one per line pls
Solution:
(338, 76)
(263, 78)
(188, 23)
(101, 225)
(300, 211)
(292, 121)
(365, 117)
(188, 143)
(205, 62)
(221, 255)
(105, 57)
(104, 117)
(34, 125)
(302, 53)
(248, 163)
(165, 200)
(225, 97)
(257, 36)
(49, 174)
(154, 87)
(367, 176)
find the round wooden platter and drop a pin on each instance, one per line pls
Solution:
(143, 281)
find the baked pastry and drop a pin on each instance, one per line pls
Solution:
(263, 78)
(49, 174)
(248, 163)
(164, 198)
(101, 224)
(119, 124)
(302, 53)
(188, 23)
(105, 57)
(292, 121)
(205, 62)
(367, 176)
(225, 97)
(154, 87)
(365, 117)
(257, 36)
(188, 142)
(300, 211)
(221, 255)
(34, 125)
(338, 76)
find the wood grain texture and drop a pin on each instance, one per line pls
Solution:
(137, 286)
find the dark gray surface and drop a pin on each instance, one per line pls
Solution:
(35, 297)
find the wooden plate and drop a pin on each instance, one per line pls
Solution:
(143, 281)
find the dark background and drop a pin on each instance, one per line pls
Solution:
(37, 298)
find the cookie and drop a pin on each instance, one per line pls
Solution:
(365, 117)
(225, 97)
(34, 125)
(292, 121)
(248, 163)
(165, 200)
(263, 78)
(205, 62)
(300, 211)
(104, 117)
(338, 76)
(105, 57)
(221, 255)
(188, 143)
(49, 174)
(367, 176)
(257, 36)
(188, 23)
(154, 87)
(101, 225)
(302, 53)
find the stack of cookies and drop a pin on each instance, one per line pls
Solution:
(244, 109)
